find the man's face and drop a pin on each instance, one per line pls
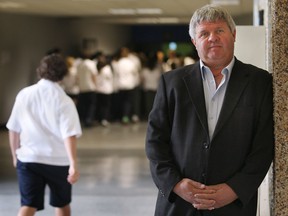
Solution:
(214, 42)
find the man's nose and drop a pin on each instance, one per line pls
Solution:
(213, 37)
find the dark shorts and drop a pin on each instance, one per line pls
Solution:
(33, 178)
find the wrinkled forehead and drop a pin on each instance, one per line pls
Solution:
(211, 20)
(212, 23)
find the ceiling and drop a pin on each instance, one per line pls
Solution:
(112, 11)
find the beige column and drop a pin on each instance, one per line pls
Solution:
(278, 64)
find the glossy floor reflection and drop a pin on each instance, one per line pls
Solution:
(115, 178)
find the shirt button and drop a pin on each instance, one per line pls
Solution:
(206, 145)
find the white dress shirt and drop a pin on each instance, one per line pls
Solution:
(44, 116)
(214, 96)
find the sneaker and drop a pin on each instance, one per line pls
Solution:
(125, 120)
(135, 118)
(104, 123)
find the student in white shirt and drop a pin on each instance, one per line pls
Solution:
(43, 128)
(86, 77)
(104, 89)
(150, 76)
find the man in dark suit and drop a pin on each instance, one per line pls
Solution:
(210, 132)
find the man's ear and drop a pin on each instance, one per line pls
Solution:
(193, 41)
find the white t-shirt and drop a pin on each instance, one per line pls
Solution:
(44, 116)
(126, 74)
(86, 70)
(105, 81)
(150, 78)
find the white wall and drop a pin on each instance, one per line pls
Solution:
(23, 41)
(250, 48)
(109, 37)
(250, 45)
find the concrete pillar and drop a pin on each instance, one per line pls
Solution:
(278, 64)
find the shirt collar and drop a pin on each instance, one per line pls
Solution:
(228, 68)
(46, 82)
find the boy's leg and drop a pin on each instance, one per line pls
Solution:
(64, 211)
(26, 211)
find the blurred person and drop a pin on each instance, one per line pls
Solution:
(126, 78)
(210, 135)
(116, 104)
(173, 61)
(69, 82)
(104, 89)
(136, 100)
(150, 76)
(43, 127)
(162, 61)
(190, 58)
(86, 77)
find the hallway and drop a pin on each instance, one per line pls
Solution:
(115, 178)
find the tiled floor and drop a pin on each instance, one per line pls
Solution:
(115, 178)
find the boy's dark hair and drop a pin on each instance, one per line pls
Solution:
(52, 67)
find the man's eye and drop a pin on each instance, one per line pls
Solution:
(204, 34)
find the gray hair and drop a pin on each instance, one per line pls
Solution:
(210, 13)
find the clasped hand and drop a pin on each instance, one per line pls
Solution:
(204, 197)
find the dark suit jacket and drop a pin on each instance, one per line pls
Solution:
(240, 152)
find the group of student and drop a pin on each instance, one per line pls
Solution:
(118, 88)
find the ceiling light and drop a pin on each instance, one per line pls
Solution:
(122, 11)
(149, 11)
(162, 20)
(81, 0)
(10, 4)
(147, 20)
(168, 20)
(130, 11)
(225, 2)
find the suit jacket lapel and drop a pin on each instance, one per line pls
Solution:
(194, 85)
(238, 80)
